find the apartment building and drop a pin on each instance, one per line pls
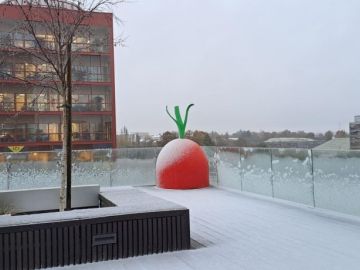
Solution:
(30, 115)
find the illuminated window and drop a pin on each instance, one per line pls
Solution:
(20, 102)
(54, 132)
(30, 71)
(6, 102)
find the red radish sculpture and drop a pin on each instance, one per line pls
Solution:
(182, 164)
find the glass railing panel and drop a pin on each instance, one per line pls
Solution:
(133, 166)
(293, 175)
(337, 180)
(211, 154)
(229, 167)
(33, 170)
(91, 167)
(4, 171)
(256, 170)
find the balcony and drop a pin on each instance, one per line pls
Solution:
(18, 42)
(47, 102)
(266, 209)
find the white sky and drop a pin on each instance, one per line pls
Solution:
(246, 64)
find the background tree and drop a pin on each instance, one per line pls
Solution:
(200, 137)
(122, 140)
(341, 134)
(167, 137)
(328, 135)
(63, 21)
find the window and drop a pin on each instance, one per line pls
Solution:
(18, 40)
(20, 71)
(20, 102)
(37, 102)
(5, 39)
(46, 41)
(30, 71)
(6, 102)
(29, 41)
(5, 72)
(54, 102)
(54, 135)
(81, 44)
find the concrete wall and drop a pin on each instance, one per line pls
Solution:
(42, 199)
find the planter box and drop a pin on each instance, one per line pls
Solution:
(137, 224)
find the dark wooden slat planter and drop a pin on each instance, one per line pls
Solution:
(92, 239)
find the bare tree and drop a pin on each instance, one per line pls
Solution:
(51, 28)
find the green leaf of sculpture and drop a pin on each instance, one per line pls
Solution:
(178, 119)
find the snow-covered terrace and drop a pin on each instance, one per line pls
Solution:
(266, 209)
(234, 230)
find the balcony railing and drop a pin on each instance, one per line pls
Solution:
(78, 76)
(10, 107)
(30, 44)
(325, 179)
(22, 137)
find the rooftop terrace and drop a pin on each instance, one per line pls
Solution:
(266, 209)
(241, 231)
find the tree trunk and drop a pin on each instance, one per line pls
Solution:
(65, 191)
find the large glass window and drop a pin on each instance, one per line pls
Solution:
(18, 40)
(13, 133)
(84, 129)
(5, 39)
(6, 102)
(46, 40)
(81, 44)
(30, 71)
(54, 102)
(83, 100)
(37, 102)
(91, 68)
(54, 134)
(29, 41)
(80, 131)
(19, 71)
(93, 99)
(22, 40)
(5, 71)
(20, 102)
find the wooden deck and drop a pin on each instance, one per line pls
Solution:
(237, 231)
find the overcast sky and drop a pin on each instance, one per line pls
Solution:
(246, 64)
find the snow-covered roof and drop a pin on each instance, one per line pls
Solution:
(273, 140)
(340, 144)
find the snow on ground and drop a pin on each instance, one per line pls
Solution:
(244, 232)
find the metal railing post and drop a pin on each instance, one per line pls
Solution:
(8, 174)
(216, 158)
(110, 167)
(241, 171)
(312, 176)
(271, 173)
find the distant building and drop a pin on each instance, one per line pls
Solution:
(355, 133)
(292, 143)
(336, 144)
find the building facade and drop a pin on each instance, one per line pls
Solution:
(31, 116)
(355, 133)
